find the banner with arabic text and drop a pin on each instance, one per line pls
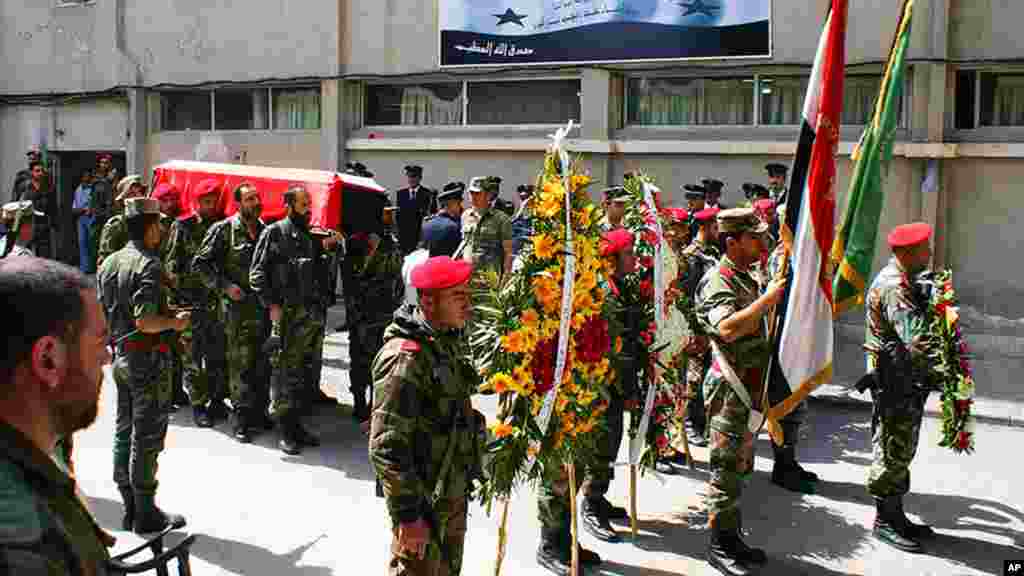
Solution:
(504, 32)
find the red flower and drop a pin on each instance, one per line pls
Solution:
(965, 366)
(650, 237)
(593, 340)
(963, 440)
(646, 262)
(646, 288)
(962, 405)
(940, 308)
(662, 441)
(646, 337)
(543, 366)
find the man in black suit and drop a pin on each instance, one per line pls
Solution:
(414, 204)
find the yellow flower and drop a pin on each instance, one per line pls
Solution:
(578, 181)
(500, 383)
(586, 427)
(529, 318)
(583, 302)
(553, 187)
(549, 206)
(582, 218)
(549, 328)
(501, 430)
(547, 292)
(544, 246)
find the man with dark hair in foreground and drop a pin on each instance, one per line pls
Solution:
(51, 374)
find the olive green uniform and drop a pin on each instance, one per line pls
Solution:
(425, 438)
(485, 232)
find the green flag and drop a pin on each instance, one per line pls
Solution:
(853, 250)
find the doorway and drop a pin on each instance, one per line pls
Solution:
(66, 172)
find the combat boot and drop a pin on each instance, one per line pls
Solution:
(218, 410)
(910, 529)
(149, 519)
(201, 417)
(595, 520)
(552, 554)
(289, 442)
(304, 436)
(722, 552)
(786, 473)
(749, 555)
(242, 432)
(888, 526)
(128, 496)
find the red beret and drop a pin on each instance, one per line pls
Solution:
(165, 190)
(764, 205)
(105, 157)
(440, 272)
(677, 214)
(706, 215)
(616, 241)
(909, 234)
(207, 187)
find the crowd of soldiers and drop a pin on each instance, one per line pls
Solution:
(234, 310)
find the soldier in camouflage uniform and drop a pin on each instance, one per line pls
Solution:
(129, 289)
(379, 284)
(223, 264)
(21, 215)
(169, 198)
(487, 231)
(283, 275)
(115, 232)
(731, 310)
(786, 471)
(425, 438)
(897, 319)
(203, 357)
(700, 256)
(329, 248)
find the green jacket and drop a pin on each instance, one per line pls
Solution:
(114, 236)
(380, 283)
(895, 317)
(485, 234)
(129, 283)
(421, 394)
(44, 528)
(225, 256)
(185, 239)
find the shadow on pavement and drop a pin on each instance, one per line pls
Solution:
(242, 558)
(344, 447)
(108, 513)
(616, 569)
(830, 434)
(978, 554)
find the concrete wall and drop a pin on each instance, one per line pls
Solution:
(985, 29)
(298, 149)
(93, 125)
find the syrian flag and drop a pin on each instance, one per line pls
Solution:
(802, 358)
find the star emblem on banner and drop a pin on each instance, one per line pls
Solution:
(510, 17)
(699, 7)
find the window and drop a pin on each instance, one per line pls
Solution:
(240, 109)
(296, 108)
(414, 105)
(966, 85)
(185, 111)
(691, 101)
(859, 95)
(1001, 99)
(531, 102)
(782, 100)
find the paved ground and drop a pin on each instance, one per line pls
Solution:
(259, 512)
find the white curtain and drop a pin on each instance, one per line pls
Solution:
(859, 96)
(297, 109)
(782, 100)
(1008, 101)
(422, 106)
(684, 102)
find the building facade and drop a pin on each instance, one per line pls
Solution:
(318, 83)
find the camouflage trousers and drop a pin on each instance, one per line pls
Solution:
(366, 341)
(444, 555)
(731, 459)
(895, 431)
(696, 369)
(301, 327)
(248, 370)
(600, 474)
(553, 506)
(203, 358)
(314, 368)
(143, 401)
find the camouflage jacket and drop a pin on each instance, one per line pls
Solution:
(694, 262)
(724, 291)
(44, 528)
(421, 401)
(129, 288)
(380, 283)
(895, 316)
(225, 256)
(283, 269)
(485, 235)
(114, 236)
(185, 239)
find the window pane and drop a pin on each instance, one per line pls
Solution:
(414, 105)
(241, 109)
(1002, 99)
(782, 99)
(965, 89)
(691, 101)
(859, 94)
(527, 102)
(296, 108)
(185, 111)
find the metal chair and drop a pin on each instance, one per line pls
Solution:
(118, 565)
